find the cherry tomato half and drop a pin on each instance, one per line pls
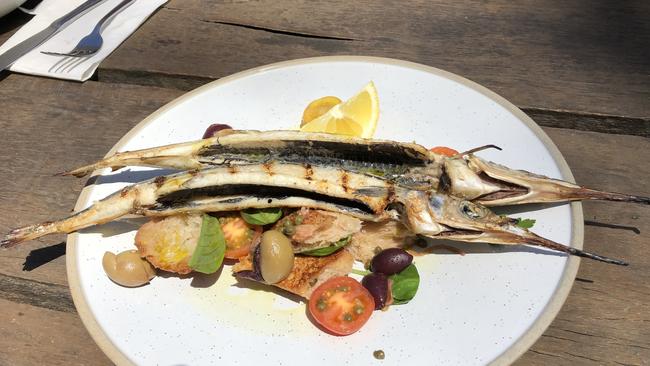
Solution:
(239, 235)
(341, 305)
(444, 150)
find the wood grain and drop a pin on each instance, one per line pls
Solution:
(579, 56)
(55, 125)
(578, 64)
(605, 318)
(31, 335)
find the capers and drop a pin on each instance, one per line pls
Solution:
(276, 256)
(128, 268)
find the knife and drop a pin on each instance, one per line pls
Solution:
(19, 50)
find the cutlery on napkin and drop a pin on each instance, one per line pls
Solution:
(115, 32)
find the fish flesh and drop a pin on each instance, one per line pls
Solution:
(407, 164)
(274, 184)
(377, 236)
(310, 229)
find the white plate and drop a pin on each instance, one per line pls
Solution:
(487, 306)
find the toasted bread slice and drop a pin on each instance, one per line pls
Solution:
(168, 243)
(308, 272)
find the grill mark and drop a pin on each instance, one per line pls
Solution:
(309, 171)
(268, 168)
(159, 181)
(390, 196)
(344, 181)
(232, 169)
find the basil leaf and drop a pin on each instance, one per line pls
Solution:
(209, 252)
(405, 284)
(262, 216)
(525, 223)
(321, 252)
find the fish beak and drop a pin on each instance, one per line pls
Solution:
(490, 184)
(463, 220)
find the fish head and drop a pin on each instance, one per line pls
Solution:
(465, 220)
(491, 184)
(440, 216)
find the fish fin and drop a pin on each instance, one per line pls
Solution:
(477, 149)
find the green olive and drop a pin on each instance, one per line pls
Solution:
(128, 268)
(276, 256)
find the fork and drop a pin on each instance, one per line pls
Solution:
(91, 43)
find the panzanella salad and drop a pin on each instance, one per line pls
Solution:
(296, 209)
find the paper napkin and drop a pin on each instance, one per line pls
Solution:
(114, 33)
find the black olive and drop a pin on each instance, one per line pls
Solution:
(390, 261)
(377, 285)
(214, 128)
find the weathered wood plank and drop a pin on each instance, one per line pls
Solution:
(604, 318)
(581, 62)
(590, 122)
(577, 56)
(32, 335)
(41, 294)
(53, 125)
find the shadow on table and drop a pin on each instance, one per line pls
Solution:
(41, 256)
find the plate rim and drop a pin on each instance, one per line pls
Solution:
(512, 353)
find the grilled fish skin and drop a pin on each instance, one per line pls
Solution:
(407, 164)
(426, 213)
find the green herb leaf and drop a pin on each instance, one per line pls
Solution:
(525, 223)
(405, 284)
(209, 252)
(321, 252)
(262, 216)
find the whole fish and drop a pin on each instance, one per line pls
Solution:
(407, 164)
(277, 184)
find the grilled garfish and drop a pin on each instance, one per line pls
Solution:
(407, 164)
(366, 197)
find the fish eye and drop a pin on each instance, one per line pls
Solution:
(472, 211)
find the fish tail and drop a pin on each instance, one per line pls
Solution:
(110, 208)
(19, 235)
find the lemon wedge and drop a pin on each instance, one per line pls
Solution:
(318, 107)
(356, 116)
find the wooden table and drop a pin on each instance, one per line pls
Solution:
(579, 68)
